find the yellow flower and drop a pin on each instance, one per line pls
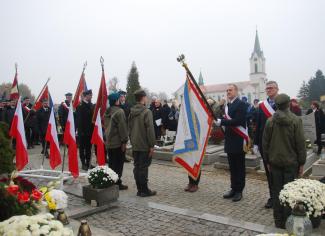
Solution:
(48, 197)
(52, 205)
(43, 189)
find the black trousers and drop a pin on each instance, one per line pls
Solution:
(142, 161)
(116, 161)
(28, 134)
(45, 145)
(192, 181)
(237, 171)
(85, 149)
(268, 176)
(280, 177)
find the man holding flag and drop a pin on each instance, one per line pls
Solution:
(236, 141)
(43, 116)
(116, 136)
(64, 110)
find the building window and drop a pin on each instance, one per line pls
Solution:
(256, 68)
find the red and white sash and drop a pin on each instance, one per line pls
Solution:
(240, 130)
(65, 105)
(266, 108)
(26, 108)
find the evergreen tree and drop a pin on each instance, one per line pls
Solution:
(303, 91)
(316, 86)
(6, 152)
(132, 84)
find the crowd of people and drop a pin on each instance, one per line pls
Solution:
(273, 126)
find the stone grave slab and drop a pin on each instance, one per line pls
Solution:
(252, 162)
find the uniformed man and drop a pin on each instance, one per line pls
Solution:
(43, 116)
(236, 139)
(285, 152)
(63, 110)
(10, 111)
(28, 116)
(85, 128)
(116, 136)
(142, 136)
(265, 110)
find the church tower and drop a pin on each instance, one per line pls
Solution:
(257, 74)
(201, 81)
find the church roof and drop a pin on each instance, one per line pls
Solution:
(257, 47)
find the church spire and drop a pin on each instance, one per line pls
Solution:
(201, 82)
(257, 47)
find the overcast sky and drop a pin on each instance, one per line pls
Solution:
(54, 38)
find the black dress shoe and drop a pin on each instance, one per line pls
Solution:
(229, 194)
(237, 197)
(148, 193)
(122, 187)
(269, 204)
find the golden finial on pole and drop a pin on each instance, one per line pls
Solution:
(102, 62)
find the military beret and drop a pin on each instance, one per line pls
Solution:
(25, 98)
(113, 97)
(140, 92)
(282, 99)
(68, 94)
(122, 93)
(87, 92)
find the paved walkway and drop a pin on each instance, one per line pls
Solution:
(175, 212)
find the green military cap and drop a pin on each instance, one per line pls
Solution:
(140, 92)
(282, 101)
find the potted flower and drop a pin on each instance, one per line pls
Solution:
(309, 192)
(41, 224)
(102, 187)
(53, 199)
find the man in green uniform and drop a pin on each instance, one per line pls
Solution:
(116, 134)
(284, 150)
(142, 137)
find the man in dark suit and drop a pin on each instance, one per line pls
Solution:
(43, 116)
(85, 128)
(265, 110)
(236, 138)
(28, 116)
(63, 110)
(319, 122)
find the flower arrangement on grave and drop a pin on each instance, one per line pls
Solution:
(42, 224)
(53, 199)
(309, 192)
(102, 177)
(19, 197)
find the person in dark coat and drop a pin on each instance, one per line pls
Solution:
(153, 103)
(265, 111)
(2, 110)
(85, 128)
(28, 116)
(157, 114)
(319, 122)
(43, 116)
(173, 115)
(165, 112)
(236, 111)
(63, 110)
(123, 103)
(10, 112)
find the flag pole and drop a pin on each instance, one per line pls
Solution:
(64, 153)
(38, 97)
(45, 152)
(181, 59)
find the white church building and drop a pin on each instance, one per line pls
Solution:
(254, 88)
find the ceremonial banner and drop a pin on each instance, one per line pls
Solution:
(194, 125)
(17, 131)
(97, 139)
(44, 94)
(82, 86)
(101, 99)
(69, 138)
(52, 137)
(14, 93)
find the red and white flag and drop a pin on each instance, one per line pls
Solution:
(69, 138)
(52, 137)
(97, 139)
(17, 131)
(14, 93)
(44, 94)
